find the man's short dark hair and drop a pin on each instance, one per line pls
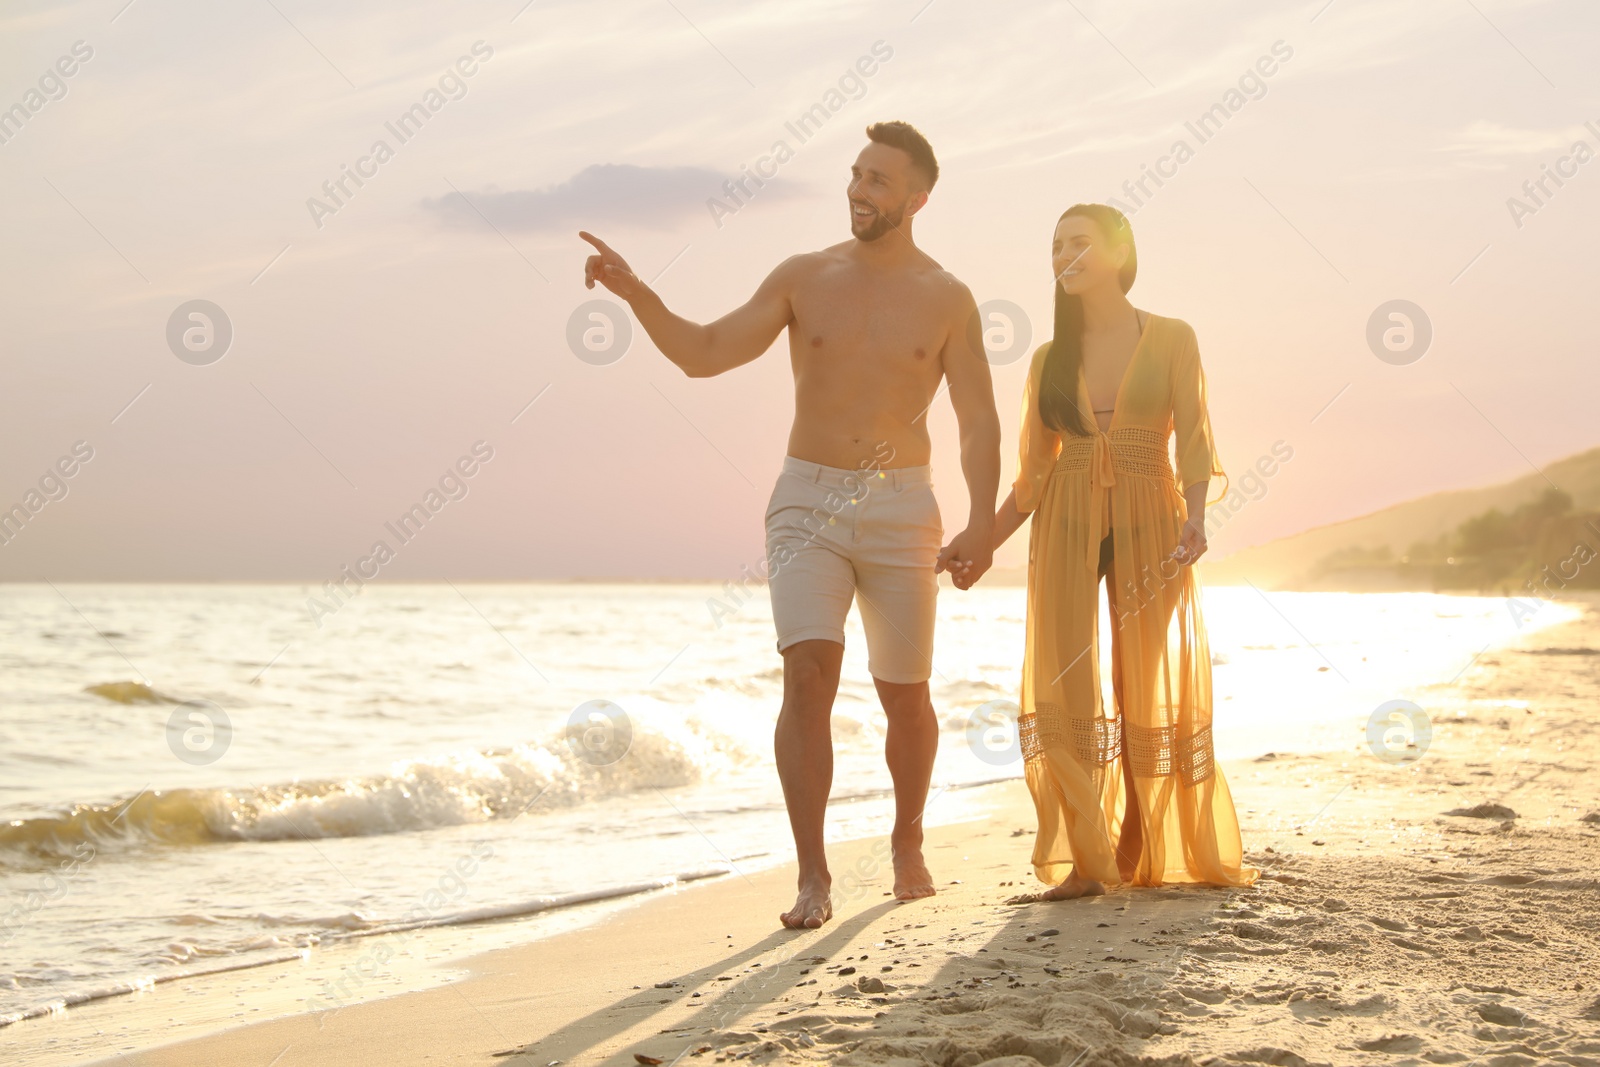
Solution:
(908, 139)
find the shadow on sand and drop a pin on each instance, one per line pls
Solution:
(709, 1024)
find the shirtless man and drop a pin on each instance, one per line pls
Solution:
(874, 325)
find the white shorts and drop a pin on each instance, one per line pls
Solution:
(834, 534)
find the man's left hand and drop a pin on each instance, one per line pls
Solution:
(969, 554)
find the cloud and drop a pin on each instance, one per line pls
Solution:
(1492, 139)
(602, 193)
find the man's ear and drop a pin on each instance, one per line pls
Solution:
(917, 202)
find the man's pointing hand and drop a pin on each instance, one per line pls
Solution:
(609, 269)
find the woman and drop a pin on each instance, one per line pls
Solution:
(1132, 795)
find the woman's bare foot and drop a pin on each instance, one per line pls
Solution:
(812, 908)
(1073, 887)
(911, 878)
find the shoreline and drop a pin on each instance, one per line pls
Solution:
(431, 953)
(1370, 888)
(226, 965)
(576, 909)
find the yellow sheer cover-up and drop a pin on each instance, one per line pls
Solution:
(1078, 488)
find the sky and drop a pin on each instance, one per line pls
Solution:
(385, 337)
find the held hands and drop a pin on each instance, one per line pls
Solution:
(610, 270)
(971, 553)
(968, 555)
(1191, 543)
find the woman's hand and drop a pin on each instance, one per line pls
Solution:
(967, 556)
(1191, 543)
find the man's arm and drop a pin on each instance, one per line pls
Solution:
(966, 368)
(700, 350)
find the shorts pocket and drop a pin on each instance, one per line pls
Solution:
(777, 500)
(928, 511)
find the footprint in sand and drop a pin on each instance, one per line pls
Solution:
(1279, 1057)
(1503, 1015)
(1392, 1043)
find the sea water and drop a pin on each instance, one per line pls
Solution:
(408, 758)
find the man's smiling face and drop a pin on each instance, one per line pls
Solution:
(883, 190)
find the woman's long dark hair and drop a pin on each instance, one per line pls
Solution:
(1058, 386)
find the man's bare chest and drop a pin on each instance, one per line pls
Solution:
(847, 319)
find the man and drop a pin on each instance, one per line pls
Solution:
(874, 325)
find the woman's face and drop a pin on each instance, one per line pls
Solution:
(1081, 256)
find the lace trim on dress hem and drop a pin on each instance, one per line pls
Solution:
(1095, 740)
(1153, 752)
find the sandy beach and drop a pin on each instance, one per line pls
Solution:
(1444, 910)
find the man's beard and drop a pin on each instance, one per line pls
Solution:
(882, 222)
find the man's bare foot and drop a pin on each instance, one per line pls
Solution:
(911, 878)
(812, 907)
(1073, 887)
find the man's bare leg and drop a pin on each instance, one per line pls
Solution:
(803, 743)
(910, 748)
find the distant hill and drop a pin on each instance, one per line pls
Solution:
(1374, 551)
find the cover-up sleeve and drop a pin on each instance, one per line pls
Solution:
(1037, 445)
(1191, 422)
